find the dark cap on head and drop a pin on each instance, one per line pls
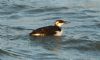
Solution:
(60, 21)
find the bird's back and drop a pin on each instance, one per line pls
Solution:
(48, 30)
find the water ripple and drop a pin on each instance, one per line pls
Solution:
(45, 9)
(82, 45)
(90, 11)
(19, 17)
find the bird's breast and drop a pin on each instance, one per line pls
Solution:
(58, 33)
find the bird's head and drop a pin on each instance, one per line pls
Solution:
(59, 23)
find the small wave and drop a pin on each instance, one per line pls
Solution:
(87, 26)
(13, 54)
(90, 11)
(20, 28)
(83, 45)
(12, 9)
(5, 13)
(52, 18)
(4, 52)
(2, 25)
(61, 13)
(14, 17)
(75, 41)
(45, 9)
(98, 25)
(17, 28)
(86, 16)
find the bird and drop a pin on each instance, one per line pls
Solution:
(52, 30)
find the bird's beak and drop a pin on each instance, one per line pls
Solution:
(66, 22)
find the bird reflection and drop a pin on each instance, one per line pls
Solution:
(48, 42)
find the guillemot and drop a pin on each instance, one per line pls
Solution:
(53, 30)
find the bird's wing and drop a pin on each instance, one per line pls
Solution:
(46, 30)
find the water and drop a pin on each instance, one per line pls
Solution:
(80, 41)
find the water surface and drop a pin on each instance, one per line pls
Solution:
(80, 40)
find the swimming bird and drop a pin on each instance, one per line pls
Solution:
(53, 30)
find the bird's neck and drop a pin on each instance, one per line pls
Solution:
(57, 26)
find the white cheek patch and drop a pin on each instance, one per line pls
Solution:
(58, 33)
(59, 24)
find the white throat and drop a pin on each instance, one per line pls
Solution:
(59, 24)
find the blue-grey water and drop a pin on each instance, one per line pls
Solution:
(80, 40)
